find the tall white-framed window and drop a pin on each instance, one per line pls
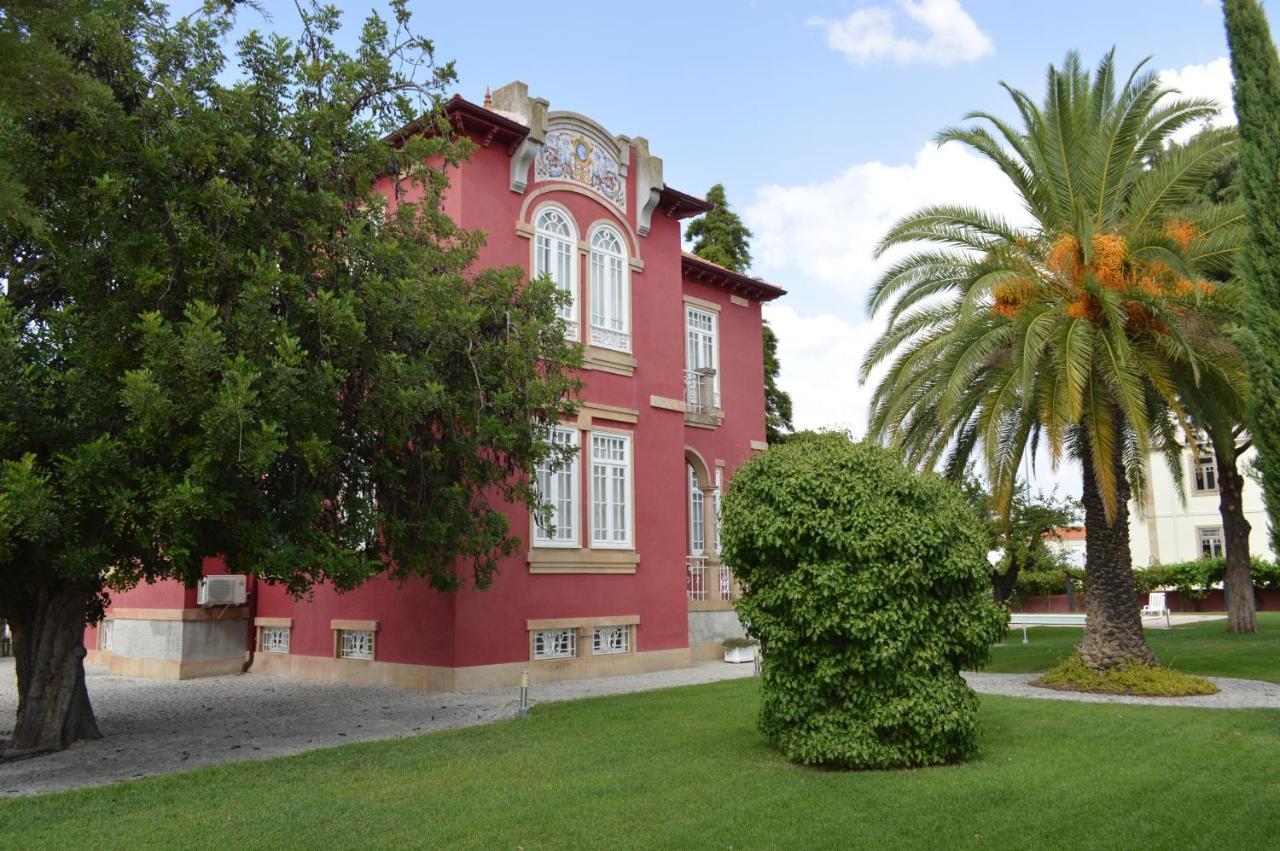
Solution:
(610, 490)
(558, 488)
(1211, 544)
(106, 635)
(555, 643)
(702, 348)
(697, 516)
(1205, 465)
(555, 255)
(715, 496)
(610, 290)
(610, 639)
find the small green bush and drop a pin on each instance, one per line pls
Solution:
(869, 589)
(738, 643)
(1133, 677)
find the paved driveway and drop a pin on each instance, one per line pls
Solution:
(159, 726)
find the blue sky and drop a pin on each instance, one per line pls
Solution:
(817, 116)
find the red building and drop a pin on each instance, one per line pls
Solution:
(673, 402)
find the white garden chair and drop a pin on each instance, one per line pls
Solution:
(1156, 606)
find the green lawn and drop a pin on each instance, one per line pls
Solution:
(1202, 648)
(686, 768)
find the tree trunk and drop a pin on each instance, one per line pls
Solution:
(1113, 628)
(53, 703)
(1002, 584)
(1242, 610)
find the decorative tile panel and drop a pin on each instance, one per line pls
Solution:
(570, 155)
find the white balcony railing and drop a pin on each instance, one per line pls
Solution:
(700, 396)
(696, 581)
(701, 584)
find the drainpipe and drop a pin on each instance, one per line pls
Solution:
(252, 638)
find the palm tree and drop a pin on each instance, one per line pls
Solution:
(1068, 330)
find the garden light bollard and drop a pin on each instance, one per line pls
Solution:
(524, 694)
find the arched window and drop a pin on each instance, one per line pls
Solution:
(553, 256)
(610, 290)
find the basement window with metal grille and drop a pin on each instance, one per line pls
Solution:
(611, 639)
(555, 644)
(356, 644)
(275, 639)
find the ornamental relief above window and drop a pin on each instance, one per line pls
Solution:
(570, 155)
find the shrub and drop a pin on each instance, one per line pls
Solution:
(1194, 579)
(1133, 677)
(738, 643)
(869, 589)
(1041, 583)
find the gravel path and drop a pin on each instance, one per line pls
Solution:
(159, 726)
(1235, 694)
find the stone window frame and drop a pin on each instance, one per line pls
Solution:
(260, 625)
(1200, 541)
(1206, 460)
(340, 625)
(584, 638)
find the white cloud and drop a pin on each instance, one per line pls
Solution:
(871, 34)
(822, 236)
(825, 233)
(1212, 80)
(819, 355)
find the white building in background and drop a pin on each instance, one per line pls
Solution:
(1069, 542)
(1164, 528)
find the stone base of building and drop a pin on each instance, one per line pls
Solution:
(474, 678)
(163, 669)
(173, 644)
(711, 622)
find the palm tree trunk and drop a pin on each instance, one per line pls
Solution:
(1242, 610)
(1113, 629)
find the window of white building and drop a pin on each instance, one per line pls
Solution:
(610, 490)
(558, 488)
(275, 639)
(611, 639)
(555, 255)
(1211, 544)
(555, 644)
(610, 290)
(355, 644)
(1206, 469)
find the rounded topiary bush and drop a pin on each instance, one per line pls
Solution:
(869, 589)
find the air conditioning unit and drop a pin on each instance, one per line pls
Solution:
(221, 591)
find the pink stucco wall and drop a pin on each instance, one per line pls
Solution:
(418, 625)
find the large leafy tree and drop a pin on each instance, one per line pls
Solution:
(1023, 533)
(1216, 396)
(1257, 101)
(721, 237)
(1067, 330)
(218, 339)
